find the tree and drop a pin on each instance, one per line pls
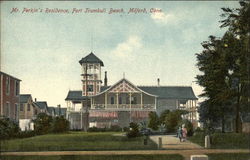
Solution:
(153, 121)
(133, 130)
(172, 120)
(43, 123)
(8, 128)
(60, 124)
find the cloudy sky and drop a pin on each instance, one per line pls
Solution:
(43, 49)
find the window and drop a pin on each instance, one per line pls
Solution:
(35, 112)
(16, 111)
(133, 100)
(120, 100)
(112, 100)
(7, 109)
(28, 107)
(7, 85)
(21, 107)
(90, 88)
(17, 88)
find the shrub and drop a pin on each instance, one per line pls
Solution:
(133, 130)
(26, 134)
(60, 124)
(115, 128)
(8, 128)
(95, 129)
(172, 120)
(43, 124)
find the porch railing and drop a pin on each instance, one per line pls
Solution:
(123, 106)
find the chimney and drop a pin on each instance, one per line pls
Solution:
(35, 99)
(106, 79)
(158, 82)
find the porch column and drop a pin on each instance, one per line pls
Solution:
(130, 101)
(155, 102)
(106, 99)
(91, 102)
(117, 100)
(141, 100)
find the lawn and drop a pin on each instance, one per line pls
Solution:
(77, 141)
(99, 157)
(229, 156)
(224, 140)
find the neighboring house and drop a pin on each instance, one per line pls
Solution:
(42, 105)
(27, 112)
(52, 111)
(60, 111)
(123, 102)
(9, 96)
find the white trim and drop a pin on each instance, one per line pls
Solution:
(128, 82)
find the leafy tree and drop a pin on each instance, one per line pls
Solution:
(188, 125)
(153, 121)
(43, 123)
(172, 120)
(60, 124)
(163, 116)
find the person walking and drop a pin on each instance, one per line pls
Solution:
(179, 133)
(184, 133)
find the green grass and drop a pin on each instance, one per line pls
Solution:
(99, 157)
(224, 140)
(229, 156)
(76, 141)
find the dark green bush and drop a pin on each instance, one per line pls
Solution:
(133, 130)
(8, 128)
(43, 124)
(60, 124)
(26, 134)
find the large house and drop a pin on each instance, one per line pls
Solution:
(123, 102)
(9, 96)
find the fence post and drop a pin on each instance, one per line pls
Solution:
(207, 141)
(159, 143)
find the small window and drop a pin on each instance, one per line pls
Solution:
(7, 85)
(133, 100)
(90, 88)
(17, 88)
(16, 111)
(35, 112)
(21, 107)
(7, 110)
(120, 100)
(28, 107)
(112, 100)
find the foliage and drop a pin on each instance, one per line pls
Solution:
(224, 63)
(153, 120)
(223, 140)
(60, 124)
(99, 157)
(163, 116)
(43, 123)
(172, 120)
(8, 128)
(76, 141)
(188, 126)
(133, 130)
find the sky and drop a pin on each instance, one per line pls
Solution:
(43, 49)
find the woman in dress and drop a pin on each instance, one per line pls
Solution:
(184, 133)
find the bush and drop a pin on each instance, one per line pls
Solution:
(115, 128)
(172, 120)
(60, 124)
(133, 130)
(153, 121)
(8, 128)
(26, 134)
(95, 129)
(43, 124)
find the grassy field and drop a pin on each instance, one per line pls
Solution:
(231, 156)
(76, 141)
(224, 140)
(99, 157)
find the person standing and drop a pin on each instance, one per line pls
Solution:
(179, 133)
(184, 133)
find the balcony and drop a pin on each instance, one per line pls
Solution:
(123, 107)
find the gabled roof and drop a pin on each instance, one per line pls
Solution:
(9, 76)
(42, 104)
(75, 95)
(170, 92)
(51, 109)
(63, 111)
(91, 58)
(23, 98)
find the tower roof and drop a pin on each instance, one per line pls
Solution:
(91, 58)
